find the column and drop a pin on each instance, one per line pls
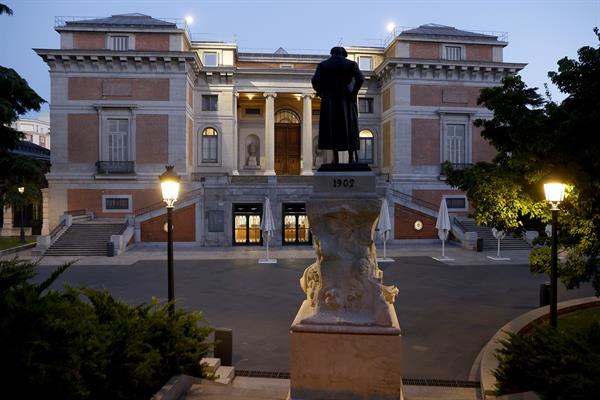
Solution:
(307, 136)
(7, 224)
(45, 212)
(270, 132)
(236, 135)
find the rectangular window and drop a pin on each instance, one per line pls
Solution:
(316, 111)
(365, 63)
(210, 146)
(456, 203)
(365, 105)
(211, 59)
(295, 224)
(286, 66)
(119, 43)
(117, 137)
(455, 144)
(246, 224)
(252, 111)
(209, 102)
(116, 203)
(453, 53)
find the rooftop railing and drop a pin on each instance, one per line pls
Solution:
(61, 21)
(502, 36)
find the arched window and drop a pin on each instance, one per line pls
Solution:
(210, 145)
(286, 117)
(365, 154)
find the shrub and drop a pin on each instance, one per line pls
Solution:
(553, 362)
(84, 344)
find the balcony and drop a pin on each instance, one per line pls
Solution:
(115, 167)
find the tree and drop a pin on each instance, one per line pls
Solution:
(17, 98)
(537, 138)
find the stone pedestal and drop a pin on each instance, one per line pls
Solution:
(345, 339)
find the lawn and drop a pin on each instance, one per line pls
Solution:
(9, 242)
(579, 320)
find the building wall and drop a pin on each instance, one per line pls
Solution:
(404, 222)
(184, 226)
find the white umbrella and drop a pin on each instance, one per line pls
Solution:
(267, 225)
(384, 226)
(443, 225)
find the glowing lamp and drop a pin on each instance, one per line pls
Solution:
(391, 26)
(21, 189)
(555, 193)
(169, 183)
(189, 19)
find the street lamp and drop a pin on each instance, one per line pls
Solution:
(169, 183)
(21, 190)
(555, 193)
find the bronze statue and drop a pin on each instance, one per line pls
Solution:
(337, 81)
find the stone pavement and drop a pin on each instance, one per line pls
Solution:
(191, 251)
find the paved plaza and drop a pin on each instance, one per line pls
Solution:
(447, 312)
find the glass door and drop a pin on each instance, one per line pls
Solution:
(246, 224)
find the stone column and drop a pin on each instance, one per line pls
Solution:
(307, 137)
(270, 132)
(45, 211)
(236, 135)
(7, 224)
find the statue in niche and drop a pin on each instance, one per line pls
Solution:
(252, 153)
(337, 81)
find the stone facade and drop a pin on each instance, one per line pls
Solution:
(130, 97)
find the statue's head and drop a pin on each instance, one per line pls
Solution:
(338, 51)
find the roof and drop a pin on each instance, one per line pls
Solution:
(445, 31)
(121, 20)
(28, 149)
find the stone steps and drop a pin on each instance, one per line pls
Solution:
(88, 238)
(509, 242)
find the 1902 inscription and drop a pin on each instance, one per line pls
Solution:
(347, 183)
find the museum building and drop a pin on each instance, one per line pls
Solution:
(131, 94)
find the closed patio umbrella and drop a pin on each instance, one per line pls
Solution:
(443, 226)
(267, 225)
(385, 227)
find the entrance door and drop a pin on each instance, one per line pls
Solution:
(246, 224)
(287, 149)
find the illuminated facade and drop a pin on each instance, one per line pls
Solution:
(131, 94)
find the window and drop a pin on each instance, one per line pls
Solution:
(453, 53)
(210, 145)
(246, 224)
(211, 59)
(42, 141)
(455, 144)
(295, 224)
(456, 203)
(252, 111)
(117, 136)
(365, 63)
(119, 43)
(286, 66)
(116, 203)
(365, 153)
(210, 102)
(365, 105)
(286, 117)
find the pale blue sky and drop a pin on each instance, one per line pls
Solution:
(539, 32)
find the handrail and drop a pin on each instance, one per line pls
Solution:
(160, 204)
(57, 228)
(415, 200)
(124, 227)
(459, 224)
(76, 213)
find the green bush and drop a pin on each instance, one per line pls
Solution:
(553, 362)
(84, 344)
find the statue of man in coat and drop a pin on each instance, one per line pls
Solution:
(337, 81)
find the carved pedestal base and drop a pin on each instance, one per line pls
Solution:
(345, 340)
(335, 362)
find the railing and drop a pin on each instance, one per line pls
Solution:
(57, 229)
(61, 21)
(501, 35)
(458, 166)
(161, 204)
(115, 167)
(456, 222)
(76, 213)
(415, 200)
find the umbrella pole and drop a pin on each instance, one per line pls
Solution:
(384, 241)
(443, 249)
(267, 249)
(498, 248)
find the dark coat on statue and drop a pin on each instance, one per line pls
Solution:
(337, 81)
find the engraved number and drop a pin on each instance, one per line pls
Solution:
(347, 183)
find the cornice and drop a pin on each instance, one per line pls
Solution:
(106, 60)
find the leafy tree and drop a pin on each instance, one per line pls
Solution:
(17, 98)
(537, 138)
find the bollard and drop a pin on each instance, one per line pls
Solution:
(544, 294)
(224, 345)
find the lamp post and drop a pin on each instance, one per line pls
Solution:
(555, 193)
(169, 183)
(21, 190)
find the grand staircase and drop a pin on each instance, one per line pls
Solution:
(85, 238)
(509, 242)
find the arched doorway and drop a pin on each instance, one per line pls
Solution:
(287, 142)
